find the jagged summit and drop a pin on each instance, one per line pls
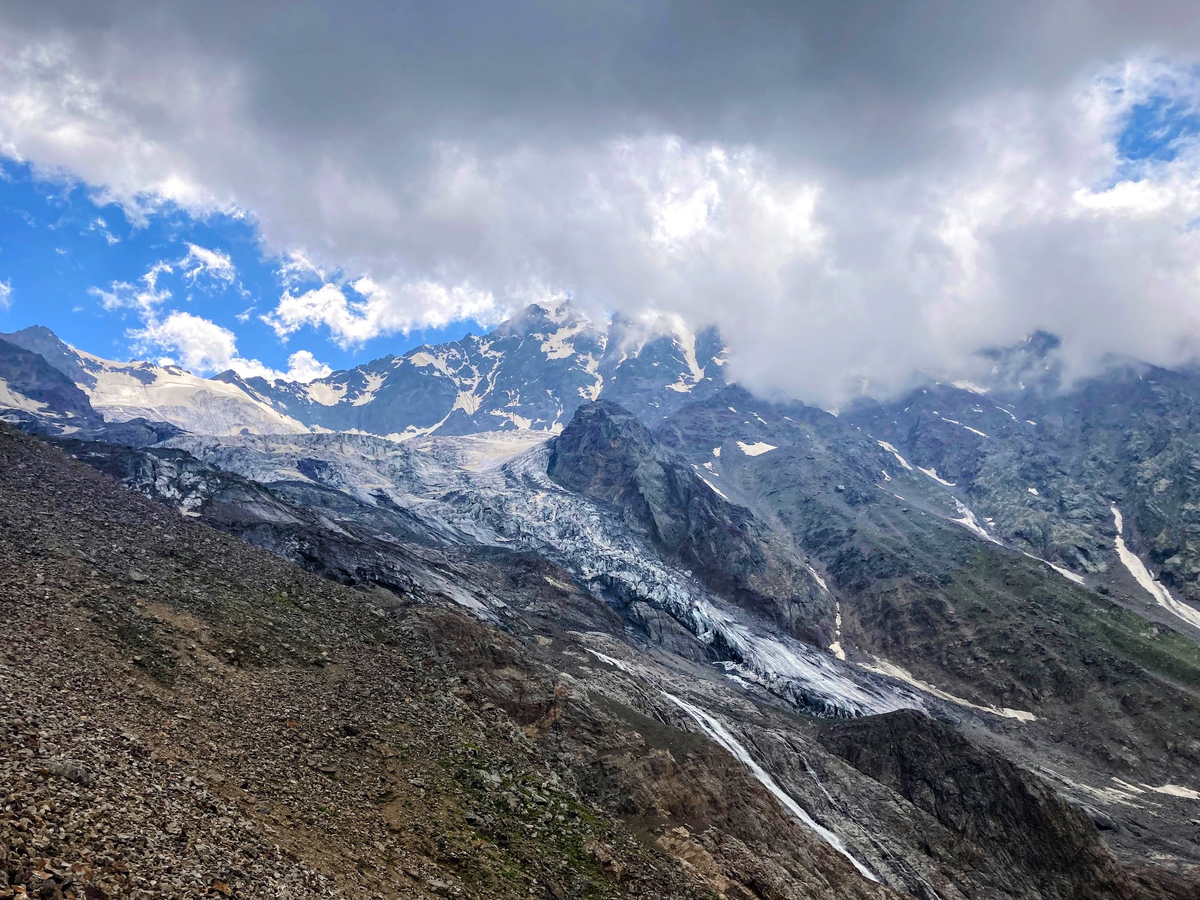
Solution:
(527, 374)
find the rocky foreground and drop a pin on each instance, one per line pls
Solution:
(185, 715)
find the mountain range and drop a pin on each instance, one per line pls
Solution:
(935, 645)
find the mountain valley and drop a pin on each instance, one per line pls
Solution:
(562, 611)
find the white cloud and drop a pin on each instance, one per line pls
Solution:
(374, 309)
(144, 296)
(880, 201)
(304, 367)
(213, 263)
(194, 342)
(190, 341)
(99, 226)
(6, 292)
(202, 346)
(153, 273)
(296, 268)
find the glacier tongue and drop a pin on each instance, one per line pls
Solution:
(716, 731)
(460, 490)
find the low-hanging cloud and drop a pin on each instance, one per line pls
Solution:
(848, 197)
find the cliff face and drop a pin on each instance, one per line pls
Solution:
(607, 455)
(1022, 827)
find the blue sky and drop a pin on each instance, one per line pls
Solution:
(1157, 129)
(60, 246)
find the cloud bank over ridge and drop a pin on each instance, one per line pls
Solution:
(846, 194)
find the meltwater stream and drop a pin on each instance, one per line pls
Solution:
(717, 732)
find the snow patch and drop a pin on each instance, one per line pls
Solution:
(324, 393)
(11, 398)
(969, 386)
(758, 448)
(421, 359)
(591, 365)
(124, 391)
(1065, 573)
(468, 402)
(969, 521)
(1175, 790)
(836, 647)
(1033, 490)
(611, 660)
(896, 453)
(520, 421)
(374, 383)
(1143, 576)
(716, 490)
(883, 667)
(557, 345)
(932, 473)
(817, 577)
(961, 425)
(716, 731)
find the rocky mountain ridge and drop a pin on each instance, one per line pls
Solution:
(530, 373)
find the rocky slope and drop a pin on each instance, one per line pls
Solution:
(722, 574)
(607, 455)
(36, 395)
(195, 717)
(247, 729)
